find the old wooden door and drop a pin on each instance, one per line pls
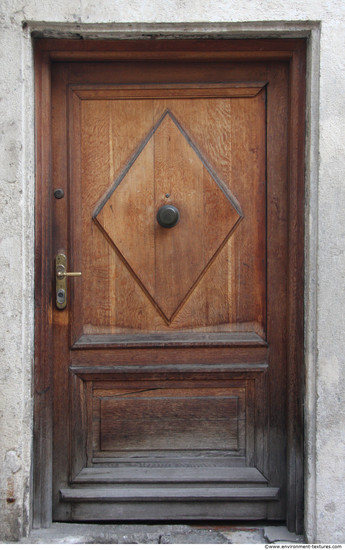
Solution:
(171, 358)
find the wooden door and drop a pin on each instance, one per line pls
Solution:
(171, 360)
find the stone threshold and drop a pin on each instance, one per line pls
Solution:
(201, 533)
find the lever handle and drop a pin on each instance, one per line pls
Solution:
(61, 275)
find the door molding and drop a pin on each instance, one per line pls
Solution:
(48, 51)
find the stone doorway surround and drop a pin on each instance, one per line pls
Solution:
(309, 30)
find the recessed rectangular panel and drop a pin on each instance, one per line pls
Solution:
(205, 156)
(173, 422)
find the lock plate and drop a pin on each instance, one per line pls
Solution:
(60, 284)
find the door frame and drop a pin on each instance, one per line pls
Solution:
(46, 52)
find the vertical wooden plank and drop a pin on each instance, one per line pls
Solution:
(261, 424)
(247, 246)
(277, 277)
(42, 475)
(96, 424)
(216, 224)
(128, 217)
(131, 121)
(295, 291)
(250, 423)
(112, 132)
(89, 422)
(61, 318)
(75, 286)
(77, 436)
(131, 124)
(90, 183)
(179, 256)
(208, 124)
(81, 427)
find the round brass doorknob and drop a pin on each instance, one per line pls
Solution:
(168, 216)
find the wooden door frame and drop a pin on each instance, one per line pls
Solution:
(48, 51)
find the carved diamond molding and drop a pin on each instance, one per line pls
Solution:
(168, 263)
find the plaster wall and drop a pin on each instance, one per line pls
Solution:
(325, 233)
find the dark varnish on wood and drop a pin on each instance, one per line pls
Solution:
(161, 372)
(169, 422)
(43, 406)
(182, 339)
(170, 475)
(238, 330)
(195, 494)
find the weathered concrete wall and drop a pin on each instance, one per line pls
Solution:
(325, 438)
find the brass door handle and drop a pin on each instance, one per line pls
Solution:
(61, 275)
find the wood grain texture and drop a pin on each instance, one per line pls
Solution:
(167, 168)
(170, 475)
(72, 246)
(240, 56)
(168, 266)
(179, 252)
(295, 448)
(100, 264)
(155, 91)
(43, 403)
(169, 422)
(80, 428)
(158, 356)
(167, 415)
(167, 510)
(185, 459)
(277, 272)
(64, 126)
(184, 371)
(120, 301)
(235, 294)
(243, 493)
(175, 339)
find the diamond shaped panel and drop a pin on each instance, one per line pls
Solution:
(167, 168)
